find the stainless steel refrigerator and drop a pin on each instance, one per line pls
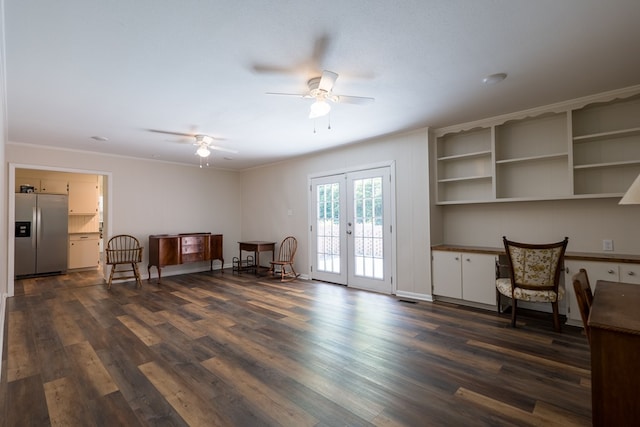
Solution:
(41, 234)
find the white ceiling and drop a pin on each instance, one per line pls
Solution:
(119, 68)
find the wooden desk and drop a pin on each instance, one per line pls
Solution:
(614, 325)
(257, 246)
(174, 249)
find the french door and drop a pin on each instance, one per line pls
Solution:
(352, 229)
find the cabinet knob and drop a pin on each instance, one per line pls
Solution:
(610, 271)
(631, 273)
(468, 259)
(457, 259)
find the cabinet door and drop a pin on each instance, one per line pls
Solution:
(447, 274)
(595, 271)
(28, 181)
(53, 186)
(83, 198)
(630, 273)
(84, 253)
(479, 278)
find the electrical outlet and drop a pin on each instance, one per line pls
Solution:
(607, 245)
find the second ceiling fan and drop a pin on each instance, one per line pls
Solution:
(321, 89)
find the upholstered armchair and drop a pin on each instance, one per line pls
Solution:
(534, 275)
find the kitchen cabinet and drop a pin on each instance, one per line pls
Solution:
(84, 250)
(42, 185)
(53, 186)
(466, 276)
(83, 198)
(596, 270)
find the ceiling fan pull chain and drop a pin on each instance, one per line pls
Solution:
(329, 118)
(314, 126)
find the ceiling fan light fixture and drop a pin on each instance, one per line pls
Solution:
(319, 108)
(203, 151)
(204, 139)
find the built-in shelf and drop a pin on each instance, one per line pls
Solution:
(584, 148)
(606, 135)
(465, 156)
(608, 165)
(466, 178)
(533, 158)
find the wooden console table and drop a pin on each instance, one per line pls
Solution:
(257, 246)
(614, 327)
(174, 249)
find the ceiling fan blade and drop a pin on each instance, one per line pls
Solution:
(226, 150)
(327, 80)
(166, 132)
(287, 94)
(345, 99)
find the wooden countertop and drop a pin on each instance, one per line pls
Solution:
(581, 256)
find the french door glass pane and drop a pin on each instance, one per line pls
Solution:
(328, 228)
(368, 228)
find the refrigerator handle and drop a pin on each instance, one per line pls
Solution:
(38, 221)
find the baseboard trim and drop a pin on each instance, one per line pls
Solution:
(3, 312)
(414, 296)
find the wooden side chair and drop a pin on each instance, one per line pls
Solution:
(123, 254)
(534, 275)
(584, 297)
(286, 257)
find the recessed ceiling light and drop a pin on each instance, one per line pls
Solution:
(100, 138)
(494, 78)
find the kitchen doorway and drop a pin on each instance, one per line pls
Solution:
(53, 180)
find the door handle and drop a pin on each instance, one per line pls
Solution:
(348, 231)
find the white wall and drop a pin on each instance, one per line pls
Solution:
(269, 192)
(152, 197)
(4, 285)
(586, 222)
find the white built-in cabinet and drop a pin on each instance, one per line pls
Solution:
(465, 276)
(596, 270)
(578, 149)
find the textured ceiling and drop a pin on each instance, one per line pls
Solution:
(120, 68)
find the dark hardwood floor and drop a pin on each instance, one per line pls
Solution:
(208, 349)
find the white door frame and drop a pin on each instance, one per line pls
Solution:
(107, 224)
(392, 221)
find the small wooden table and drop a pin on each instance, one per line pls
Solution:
(257, 246)
(614, 327)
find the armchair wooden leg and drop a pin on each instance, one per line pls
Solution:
(556, 317)
(514, 304)
(113, 267)
(136, 273)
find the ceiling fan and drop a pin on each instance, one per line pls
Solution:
(202, 141)
(321, 89)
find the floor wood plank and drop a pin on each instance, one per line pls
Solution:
(236, 350)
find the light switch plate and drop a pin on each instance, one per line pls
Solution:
(607, 245)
